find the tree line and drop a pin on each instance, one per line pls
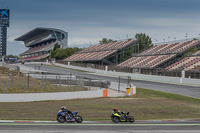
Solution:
(60, 54)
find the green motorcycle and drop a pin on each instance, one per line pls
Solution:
(122, 117)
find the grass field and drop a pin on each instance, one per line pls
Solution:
(20, 83)
(146, 104)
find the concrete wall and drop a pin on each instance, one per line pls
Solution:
(155, 78)
(25, 97)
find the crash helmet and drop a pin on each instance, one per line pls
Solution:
(115, 109)
(63, 108)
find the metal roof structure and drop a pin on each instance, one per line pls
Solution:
(37, 31)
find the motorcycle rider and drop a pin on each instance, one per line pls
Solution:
(67, 112)
(115, 110)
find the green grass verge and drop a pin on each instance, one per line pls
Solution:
(152, 93)
(145, 105)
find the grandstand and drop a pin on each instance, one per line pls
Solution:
(40, 42)
(161, 56)
(102, 54)
(188, 63)
(197, 53)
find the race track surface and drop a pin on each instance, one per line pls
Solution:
(190, 91)
(101, 127)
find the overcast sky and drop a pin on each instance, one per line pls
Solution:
(88, 21)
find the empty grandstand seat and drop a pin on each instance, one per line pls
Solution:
(98, 52)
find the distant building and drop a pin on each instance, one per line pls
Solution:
(41, 41)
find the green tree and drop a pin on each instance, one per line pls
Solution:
(127, 54)
(12, 56)
(192, 49)
(60, 54)
(144, 41)
(56, 46)
(105, 40)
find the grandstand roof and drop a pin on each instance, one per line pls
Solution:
(37, 31)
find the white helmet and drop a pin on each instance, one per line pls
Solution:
(63, 107)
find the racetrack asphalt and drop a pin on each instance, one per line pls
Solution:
(101, 127)
(186, 90)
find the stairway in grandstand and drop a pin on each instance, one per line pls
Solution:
(164, 55)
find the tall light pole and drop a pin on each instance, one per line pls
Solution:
(169, 38)
(175, 39)
(186, 36)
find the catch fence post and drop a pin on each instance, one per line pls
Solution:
(4, 87)
(28, 81)
(24, 87)
(76, 84)
(12, 80)
(70, 74)
(119, 85)
(100, 84)
(90, 84)
(56, 81)
(42, 83)
(60, 84)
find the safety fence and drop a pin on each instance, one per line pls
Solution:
(10, 66)
(43, 82)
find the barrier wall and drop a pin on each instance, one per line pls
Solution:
(25, 97)
(154, 78)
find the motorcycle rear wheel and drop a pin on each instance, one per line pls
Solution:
(78, 119)
(115, 119)
(60, 119)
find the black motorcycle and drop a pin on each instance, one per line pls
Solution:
(69, 117)
(123, 117)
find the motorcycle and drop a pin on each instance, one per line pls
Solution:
(69, 117)
(125, 117)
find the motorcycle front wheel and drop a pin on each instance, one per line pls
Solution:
(115, 119)
(78, 119)
(131, 119)
(60, 119)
